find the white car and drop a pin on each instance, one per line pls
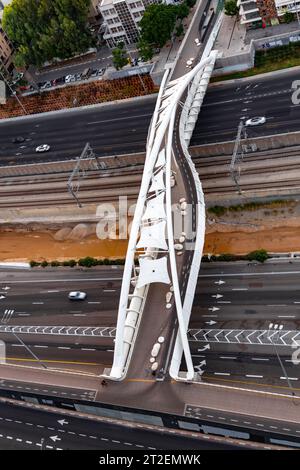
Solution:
(70, 78)
(255, 121)
(189, 62)
(197, 42)
(77, 295)
(43, 148)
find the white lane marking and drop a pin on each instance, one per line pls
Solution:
(63, 347)
(286, 316)
(40, 346)
(227, 357)
(37, 303)
(109, 290)
(254, 376)
(88, 349)
(241, 288)
(221, 373)
(289, 378)
(95, 302)
(259, 359)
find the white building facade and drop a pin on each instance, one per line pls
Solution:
(121, 19)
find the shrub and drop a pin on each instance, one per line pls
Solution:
(258, 255)
(54, 264)
(44, 264)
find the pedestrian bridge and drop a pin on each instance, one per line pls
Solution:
(167, 234)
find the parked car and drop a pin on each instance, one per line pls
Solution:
(78, 77)
(60, 80)
(70, 78)
(77, 295)
(86, 73)
(43, 148)
(255, 121)
(100, 72)
(46, 85)
(197, 42)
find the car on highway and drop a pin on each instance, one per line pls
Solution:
(43, 148)
(18, 140)
(255, 121)
(77, 295)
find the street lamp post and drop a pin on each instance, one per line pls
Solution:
(278, 328)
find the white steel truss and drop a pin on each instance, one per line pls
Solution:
(153, 217)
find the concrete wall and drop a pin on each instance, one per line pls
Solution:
(262, 143)
(245, 60)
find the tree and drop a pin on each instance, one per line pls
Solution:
(120, 58)
(231, 8)
(288, 17)
(45, 29)
(145, 50)
(158, 24)
(182, 10)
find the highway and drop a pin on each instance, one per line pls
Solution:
(122, 128)
(29, 429)
(250, 297)
(246, 366)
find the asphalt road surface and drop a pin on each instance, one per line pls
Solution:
(22, 428)
(250, 297)
(123, 127)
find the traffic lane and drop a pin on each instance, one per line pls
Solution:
(242, 420)
(277, 110)
(261, 369)
(238, 314)
(80, 359)
(251, 87)
(249, 297)
(109, 141)
(43, 299)
(78, 433)
(9, 277)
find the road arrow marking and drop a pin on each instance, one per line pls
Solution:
(220, 282)
(62, 422)
(207, 346)
(5, 288)
(210, 322)
(55, 438)
(218, 296)
(214, 309)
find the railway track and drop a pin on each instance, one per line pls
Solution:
(45, 190)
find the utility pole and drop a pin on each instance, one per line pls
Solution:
(237, 155)
(278, 328)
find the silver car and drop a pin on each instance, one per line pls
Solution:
(77, 295)
(255, 121)
(43, 148)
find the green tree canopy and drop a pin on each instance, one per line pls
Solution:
(231, 8)
(145, 50)
(158, 24)
(288, 17)
(120, 58)
(45, 29)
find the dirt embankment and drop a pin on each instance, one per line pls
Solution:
(274, 227)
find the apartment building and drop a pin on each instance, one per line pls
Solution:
(255, 12)
(6, 48)
(121, 19)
